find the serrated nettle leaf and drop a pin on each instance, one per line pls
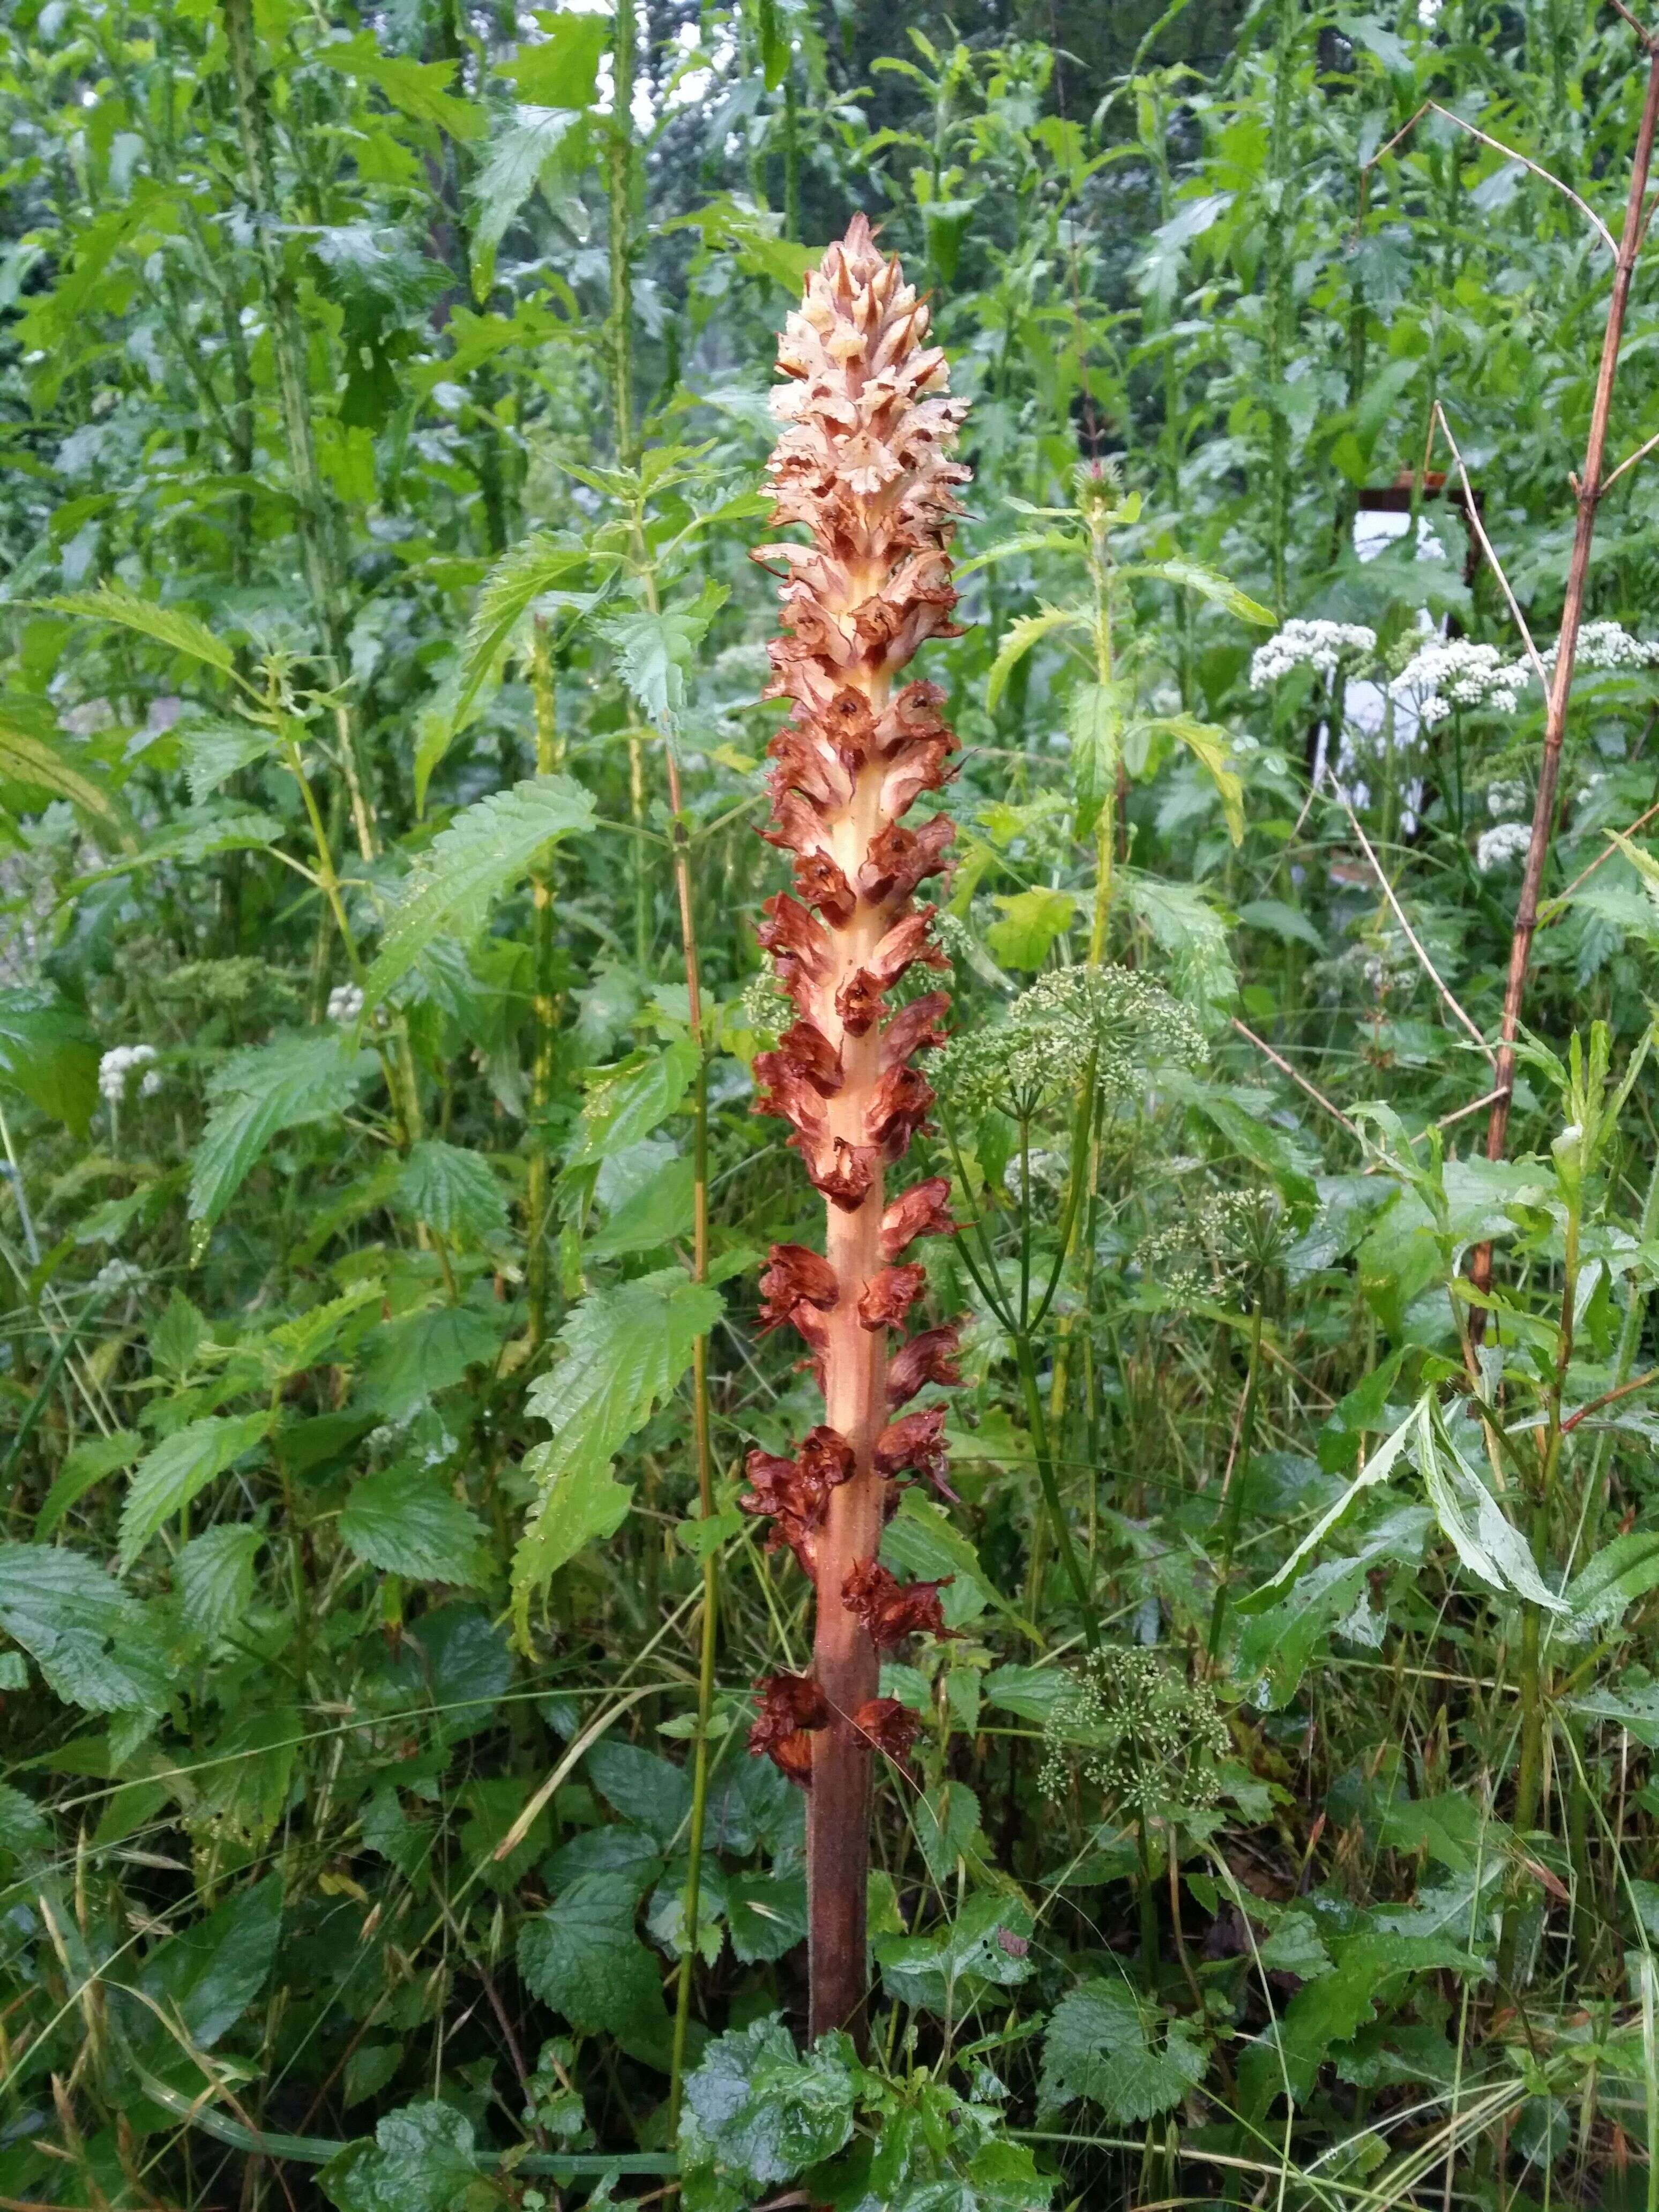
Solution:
(409, 1360)
(1031, 921)
(94, 1644)
(620, 1354)
(198, 836)
(656, 649)
(518, 157)
(1194, 578)
(1094, 724)
(452, 1190)
(213, 1578)
(583, 1957)
(408, 1522)
(89, 1464)
(259, 1091)
(1211, 748)
(627, 1102)
(214, 751)
(182, 1465)
(422, 2159)
(1192, 935)
(561, 68)
(417, 90)
(757, 2112)
(484, 850)
(174, 627)
(661, 1212)
(1106, 2042)
(987, 1945)
(1023, 635)
(293, 1346)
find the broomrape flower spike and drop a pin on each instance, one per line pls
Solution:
(863, 466)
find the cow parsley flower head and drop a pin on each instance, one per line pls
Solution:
(1150, 1740)
(1113, 1019)
(1506, 800)
(1606, 645)
(346, 1003)
(1503, 842)
(1320, 645)
(119, 1064)
(1457, 672)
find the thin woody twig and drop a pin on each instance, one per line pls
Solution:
(1510, 153)
(1439, 423)
(1630, 461)
(1601, 861)
(1642, 33)
(1474, 1107)
(1609, 1397)
(1301, 1081)
(1428, 966)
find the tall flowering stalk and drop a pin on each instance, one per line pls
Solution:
(864, 465)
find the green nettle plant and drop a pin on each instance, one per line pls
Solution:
(864, 465)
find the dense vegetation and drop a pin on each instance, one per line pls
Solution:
(387, 1375)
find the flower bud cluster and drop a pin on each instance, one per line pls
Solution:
(346, 1003)
(1147, 1738)
(118, 1065)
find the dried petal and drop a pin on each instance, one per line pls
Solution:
(790, 1706)
(887, 1298)
(898, 858)
(843, 1172)
(914, 1028)
(795, 1275)
(930, 1356)
(921, 1210)
(889, 1727)
(826, 1458)
(898, 1106)
(916, 1441)
(891, 1610)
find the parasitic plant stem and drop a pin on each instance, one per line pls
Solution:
(863, 466)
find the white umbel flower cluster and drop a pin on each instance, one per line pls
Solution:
(117, 1066)
(1609, 645)
(1457, 672)
(345, 1003)
(1317, 645)
(1503, 842)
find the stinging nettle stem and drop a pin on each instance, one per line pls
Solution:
(863, 465)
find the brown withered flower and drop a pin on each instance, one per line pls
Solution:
(864, 469)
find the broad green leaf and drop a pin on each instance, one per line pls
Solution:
(1106, 2044)
(1187, 927)
(1481, 1533)
(655, 651)
(419, 90)
(92, 1640)
(650, 1792)
(765, 1915)
(48, 1056)
(1094, 724)
(582, 1957)
(303, 1076)
(34, 756)
(213, 1578)
(1377, 1468)
(659, 1212)
(946, 1820)
(1029, 1691)
(519, 157)
(413, 1357)
(1209, 586)
(167, 1479)
(1619, 1574)
(91, 1460)
(293, 1346)
(773, 44)
(1287, 923)
(408, 1522)
(757, 2112)
(922, 1541)
(1023, 635)
(214, 751)
(1211, 748)
(627, 1102)
(561, 69)
(485, 850)
(198, 836)
(1031, 921)
(621, 1352)
(452, 1190)
(423, 2160)
(209, 1973)
(986, 1947)
(180, 631)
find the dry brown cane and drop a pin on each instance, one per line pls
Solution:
(864, 465)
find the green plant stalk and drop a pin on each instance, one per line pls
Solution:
(544, 1006)
(619, 345)
(1530, 1775)
(1279, 435)
(1232, 1503)
(1051, 1498)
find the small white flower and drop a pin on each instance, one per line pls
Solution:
(119, 1063)
(1505, 842)
(345, 1003)
(115, 1275)
(1506, 800)
(1609, 645)
(1457, 672)
(1428, 13)
(1315, 645)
